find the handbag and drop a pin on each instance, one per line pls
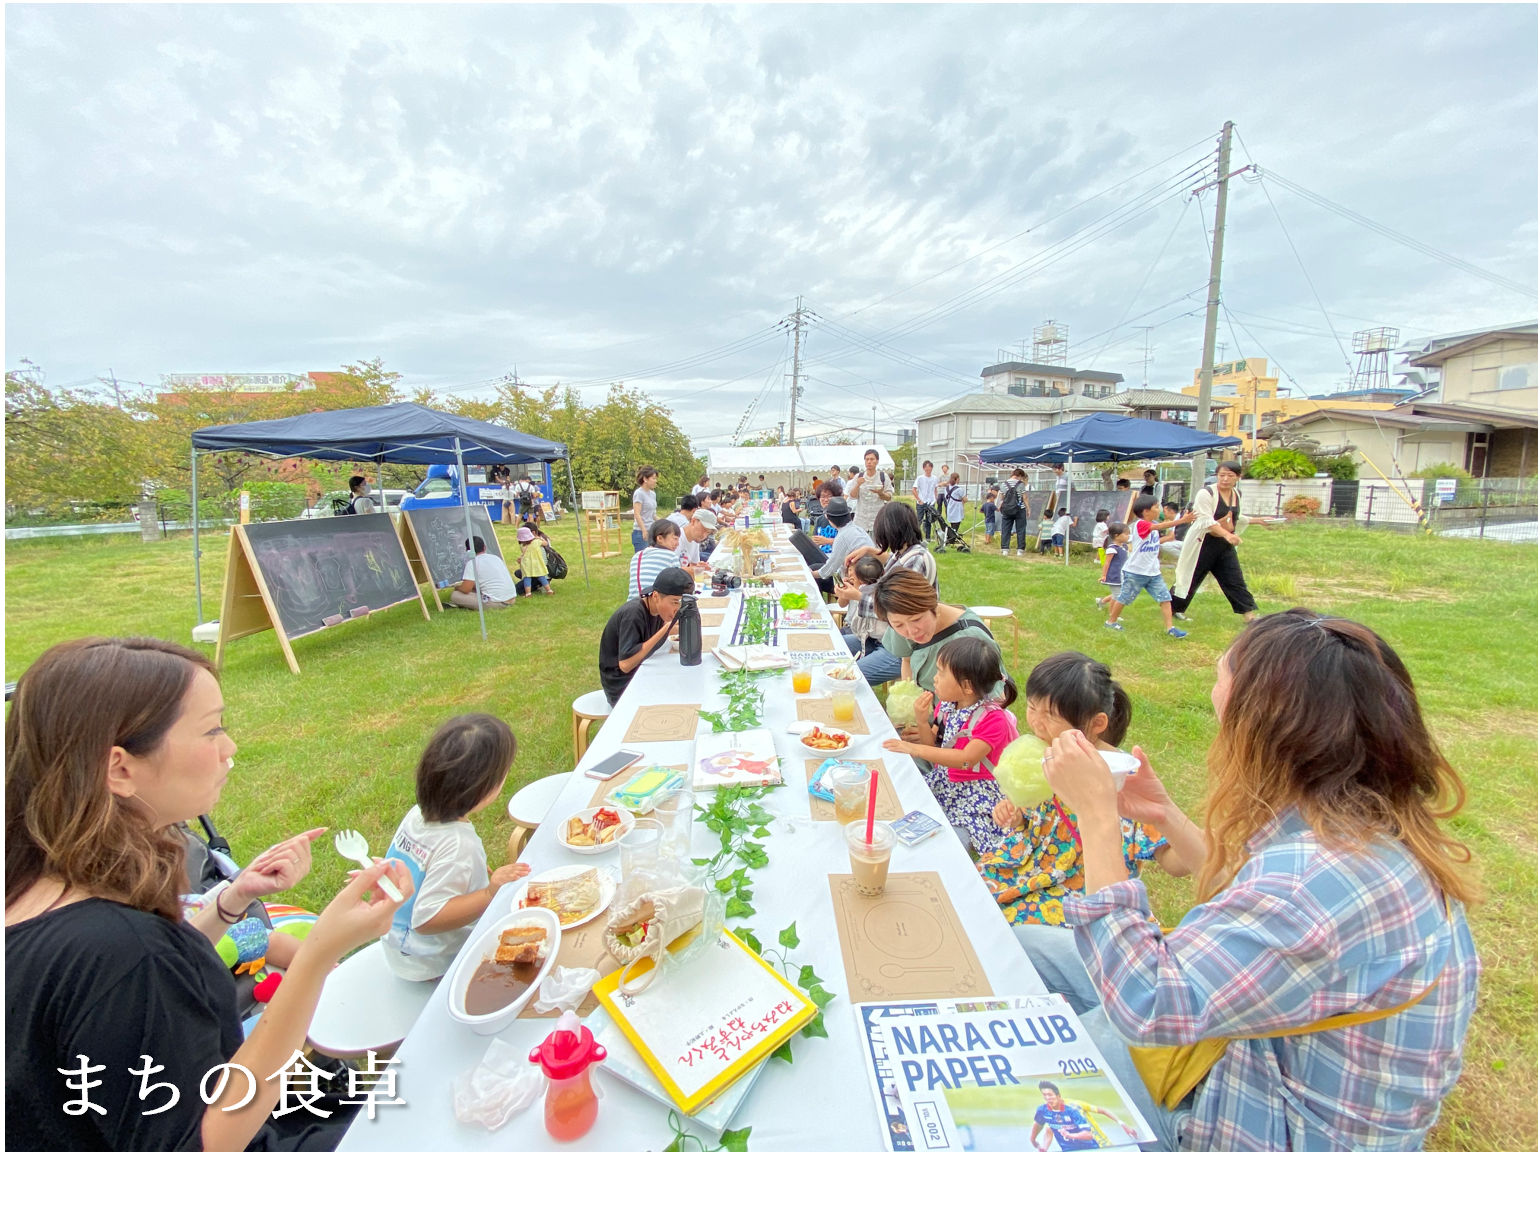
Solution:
(667, 916)
(555, 563)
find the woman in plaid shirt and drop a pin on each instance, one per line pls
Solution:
(1331, 888)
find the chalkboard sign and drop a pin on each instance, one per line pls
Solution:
(1035, 503)
(298, 576)
(440, 536)
(320, 569)
(1086, 503)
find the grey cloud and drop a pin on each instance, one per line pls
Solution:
(590, 191)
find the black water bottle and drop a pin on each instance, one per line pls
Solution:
(689, 641)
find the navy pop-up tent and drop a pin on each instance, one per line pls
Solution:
(395, 433)
(1101, 437)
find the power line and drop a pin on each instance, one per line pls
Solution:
(1330, 323)
(1414, 244)
(1029, 229)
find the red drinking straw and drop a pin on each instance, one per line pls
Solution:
(870, 812)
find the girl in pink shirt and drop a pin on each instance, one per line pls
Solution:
(960, 746)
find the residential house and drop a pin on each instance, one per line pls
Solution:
(1038, 379)
(954, 433)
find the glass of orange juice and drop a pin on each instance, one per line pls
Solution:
(843, 699)
(801, 679)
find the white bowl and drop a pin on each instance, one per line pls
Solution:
(483, 947)
(1123, 765)
(626, 821)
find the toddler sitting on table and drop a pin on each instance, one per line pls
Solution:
(462, 771)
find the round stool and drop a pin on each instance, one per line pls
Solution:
(990, 611)
(365, 1006)
(585, 712)
(528, 807)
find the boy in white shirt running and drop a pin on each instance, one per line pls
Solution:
(1141, 572)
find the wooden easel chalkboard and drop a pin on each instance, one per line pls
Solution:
(1086, 503)
(299, 576)
(434, 540)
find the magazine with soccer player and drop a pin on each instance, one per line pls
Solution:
(1012, 1075)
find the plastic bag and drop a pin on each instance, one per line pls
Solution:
(566, 987)
(899, 703)
(497, 1088)
(1019, 772)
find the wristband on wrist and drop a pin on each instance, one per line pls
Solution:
(219, 908)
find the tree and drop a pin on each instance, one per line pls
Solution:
(1280, 465)
(607, 442)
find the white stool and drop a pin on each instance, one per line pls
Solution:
(528, 807)
(365, 1006)
(586, 711)
(989, 611)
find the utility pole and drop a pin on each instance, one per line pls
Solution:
(795, 377)
(1147, 353)
(1210, 335)
(872, 425)
(115, 391)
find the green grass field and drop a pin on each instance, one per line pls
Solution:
(337, 745)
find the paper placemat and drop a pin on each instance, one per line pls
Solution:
(808, 642)
(581, 947)
(708, 641)
(711, 619)
(605, 786)
(821, 710)
(666, 722)
(888, 808)
(713, 602)
(905, 944)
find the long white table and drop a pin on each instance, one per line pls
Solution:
(823, 1100)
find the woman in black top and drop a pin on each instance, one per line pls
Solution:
(110, 743)
(1211, 547)
(790, 509)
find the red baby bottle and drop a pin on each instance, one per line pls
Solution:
(571, 1104)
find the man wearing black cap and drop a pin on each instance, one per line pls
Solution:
(638, 627)
(850, 536)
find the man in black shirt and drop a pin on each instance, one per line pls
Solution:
(638, 627)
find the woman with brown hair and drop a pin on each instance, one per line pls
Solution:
(110, 743)
(1318, 996)
(918, 625)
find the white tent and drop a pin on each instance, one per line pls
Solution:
(787, 465)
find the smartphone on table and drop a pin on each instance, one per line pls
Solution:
(613, 764)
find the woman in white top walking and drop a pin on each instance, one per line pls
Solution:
(643, 505)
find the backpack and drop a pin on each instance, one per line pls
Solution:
(1010, 503)
(555, 564)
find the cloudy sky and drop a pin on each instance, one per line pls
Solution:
(642, 192)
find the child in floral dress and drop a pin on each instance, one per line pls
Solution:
(974, 731)
(1039, 860)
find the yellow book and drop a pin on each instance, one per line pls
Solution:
(708, 1021)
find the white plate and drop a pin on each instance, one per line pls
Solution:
(606, 889)
(479, 950)
(805, 726)
(626, 821)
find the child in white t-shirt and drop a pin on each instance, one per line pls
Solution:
(1060, 531)
(462, 770)
(1102, 530)
(1141, 571)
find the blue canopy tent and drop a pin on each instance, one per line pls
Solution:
(1103, 437)
(395, 433)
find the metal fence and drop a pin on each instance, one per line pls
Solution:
(1493, 508)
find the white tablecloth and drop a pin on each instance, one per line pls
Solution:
(823, 1100)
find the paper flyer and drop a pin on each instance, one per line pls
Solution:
(736, 758)
(993, 1075)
